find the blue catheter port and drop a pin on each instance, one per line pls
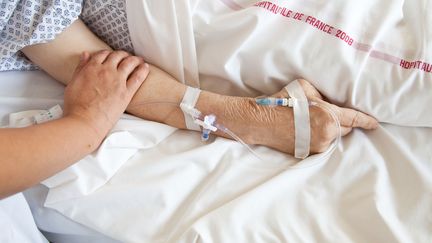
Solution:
(271, 101)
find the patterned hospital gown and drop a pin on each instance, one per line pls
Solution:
(29, 22)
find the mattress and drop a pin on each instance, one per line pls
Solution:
(375, 187)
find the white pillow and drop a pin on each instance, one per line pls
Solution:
(374, 56)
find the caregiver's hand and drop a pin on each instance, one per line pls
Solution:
(274, 126)
(101, 88)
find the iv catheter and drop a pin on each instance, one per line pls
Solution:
(200, 118)
(271, 101)
(209, 125)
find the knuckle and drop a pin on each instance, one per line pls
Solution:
(143, 69)
(102, 52)
(140, 75)
(121, 52)
(131, 60)
(134, 58)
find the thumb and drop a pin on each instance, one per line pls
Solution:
(84, 58)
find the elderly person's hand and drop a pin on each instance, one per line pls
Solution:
(102, 87)
(274, 126)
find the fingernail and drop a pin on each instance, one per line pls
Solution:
(146, 65)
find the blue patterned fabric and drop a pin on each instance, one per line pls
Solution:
(107, 19)
(29, 22)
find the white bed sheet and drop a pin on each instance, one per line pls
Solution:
(377, 186)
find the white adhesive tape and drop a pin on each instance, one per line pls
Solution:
(300, 106)
(190, 99)
(32, 117)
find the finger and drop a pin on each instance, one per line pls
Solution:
(100, 56)
(345, 131)
(352, 118)
(114, 58)
(128, 65)
(137, 77)
(84, 58)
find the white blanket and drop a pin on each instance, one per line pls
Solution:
(377, 187)
(375, 56)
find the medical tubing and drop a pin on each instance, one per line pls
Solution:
(324, 156)
(238, 139)
(201, 116)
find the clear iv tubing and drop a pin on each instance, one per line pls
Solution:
(201, 116)
(321, 159)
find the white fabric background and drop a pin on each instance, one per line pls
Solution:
(16, 222)
(252, 51)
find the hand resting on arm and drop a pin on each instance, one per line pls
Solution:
(98, 93)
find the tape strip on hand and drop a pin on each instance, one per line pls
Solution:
(301, 119)
(190, 99)
(33, 117)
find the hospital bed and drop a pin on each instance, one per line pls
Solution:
(375, 188)
(153, 183)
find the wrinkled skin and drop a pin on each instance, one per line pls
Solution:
(274, 126)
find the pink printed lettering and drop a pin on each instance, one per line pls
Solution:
(344, 36)
(298, 16)
(427, 67)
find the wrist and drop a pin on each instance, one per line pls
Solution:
(232, 112)
(88, 127)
